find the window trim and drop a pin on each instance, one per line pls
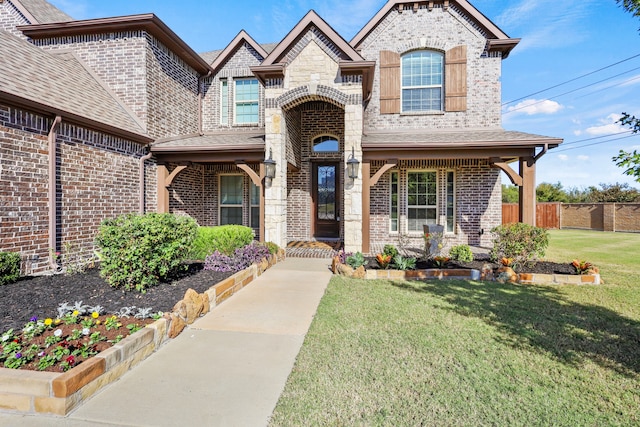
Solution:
(235, 102)
(324, 135)
(398, 192)
(220, 206)
(446, 203)
(441, 85)
(406, 192)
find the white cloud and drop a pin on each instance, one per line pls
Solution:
(582, 157)
(563, 157)
(534, 106)
(607, 126)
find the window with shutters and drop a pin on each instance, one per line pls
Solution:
(422, 78)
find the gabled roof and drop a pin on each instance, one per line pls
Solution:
(497, 39)
(237, 41)
(40, 11)
(59, 84)
(147, 22)
(351, 63)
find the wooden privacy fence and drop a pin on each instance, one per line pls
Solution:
(588, 216)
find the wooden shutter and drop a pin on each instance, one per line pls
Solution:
(455, 66)
(389, 82)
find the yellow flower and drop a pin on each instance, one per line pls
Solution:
(48, 321)
(75, 313)
(57, 321)
(97, 322)
(95, 314)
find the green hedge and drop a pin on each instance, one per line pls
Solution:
(224, 239)
(523, 243)
(9, 267)
(137, 251)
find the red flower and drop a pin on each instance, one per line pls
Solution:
(71, 360)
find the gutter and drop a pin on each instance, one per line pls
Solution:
(141, 180)
(53, 205)
(542, 153)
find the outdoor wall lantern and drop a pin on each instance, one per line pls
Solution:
(270, 166)
(352, 165)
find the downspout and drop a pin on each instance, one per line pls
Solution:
(142, 180)
(53, 205)
(200, 80)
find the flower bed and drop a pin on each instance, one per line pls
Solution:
(58, 393)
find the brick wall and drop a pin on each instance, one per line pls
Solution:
(237, 66)
(478, 203)
(10, 17)
(97, 178)
(601, 216)
(153, 82)
(316, 119)
(438, 30)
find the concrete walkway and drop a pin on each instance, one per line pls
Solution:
(227, 369)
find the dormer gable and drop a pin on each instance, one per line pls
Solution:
(349, 61)
(497, 40)
(242, 39)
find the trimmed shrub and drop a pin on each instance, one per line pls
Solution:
(390, 250)
(241, 258)
(137, 251)
(461, 253)
(9, 267)
(523, 243)
(272, 247)
(224, 239)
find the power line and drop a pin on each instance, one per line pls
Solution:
(564, 144)
(572, 80)
(571, 91)
(608, 87)
(596, 143)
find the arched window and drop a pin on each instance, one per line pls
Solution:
(325, 144)
(422, 77)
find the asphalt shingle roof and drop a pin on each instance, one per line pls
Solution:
(44, 11)
(60, 82)
(213, 55)
(215, 141)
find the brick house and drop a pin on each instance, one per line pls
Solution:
(412, 102)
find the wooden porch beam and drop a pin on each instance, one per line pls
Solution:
(391, 164)
(515, 178)
(255, 178)
(528, 191)
(164, 181)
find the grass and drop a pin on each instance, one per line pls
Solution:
(473, 353)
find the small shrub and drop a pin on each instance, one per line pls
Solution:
(356, 260)
(522, 242)
(384, 260)
(225, 239)
(402, 263)
(9, 267)
(390, 250)
(137, 251)
(461, 253)
(582, 267)
(241, 258)
(272, 247)
(441, 261)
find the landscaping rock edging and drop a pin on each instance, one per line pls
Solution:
(35, 392)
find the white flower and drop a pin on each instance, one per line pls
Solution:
(5, 337)
(58, 333)
(85, 331)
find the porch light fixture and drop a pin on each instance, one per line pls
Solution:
(352, 165)
(270, 166)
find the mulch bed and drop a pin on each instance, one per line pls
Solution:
(541, 267)
(40, 295)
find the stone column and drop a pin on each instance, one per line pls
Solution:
(352, 187)
(275, 196)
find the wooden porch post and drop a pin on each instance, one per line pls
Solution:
(163, 192)
(528, 191)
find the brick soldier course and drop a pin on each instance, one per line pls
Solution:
(107, 116)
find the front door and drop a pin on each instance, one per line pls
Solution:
(326, 190)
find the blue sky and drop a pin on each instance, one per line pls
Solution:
(561, 40)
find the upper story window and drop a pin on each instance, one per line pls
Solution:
(246, 101)
(325, 144)
(422, 77)
(224, 102)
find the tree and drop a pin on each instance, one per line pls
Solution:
(510, 194)
(546, 192)
(631, 6)
(629, 160)
(618, 193)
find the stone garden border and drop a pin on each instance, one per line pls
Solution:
(35, 392)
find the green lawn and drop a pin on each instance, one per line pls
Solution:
(473, 353)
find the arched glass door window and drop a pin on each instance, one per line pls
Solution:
(325, 144)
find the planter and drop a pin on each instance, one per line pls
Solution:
(35, 392)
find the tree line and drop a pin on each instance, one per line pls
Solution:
(545, 192)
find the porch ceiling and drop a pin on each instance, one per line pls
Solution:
(496, 143)
(222, 147)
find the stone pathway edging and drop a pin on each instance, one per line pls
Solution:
(35, 392)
